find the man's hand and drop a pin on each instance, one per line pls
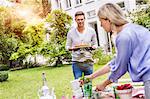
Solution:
(94, 47)
(73, 49)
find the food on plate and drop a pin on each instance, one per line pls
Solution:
(125, 86)
(82, 45)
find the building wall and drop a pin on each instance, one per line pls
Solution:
(90, 7)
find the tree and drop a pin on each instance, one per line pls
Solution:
(8, 39)
(141, 16)
(60, 23)
(46, 5)
(18, 39)
(34, 36)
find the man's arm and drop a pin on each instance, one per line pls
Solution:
(94, 40)
(69, 42)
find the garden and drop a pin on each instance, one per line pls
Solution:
(24, 84)
(31, 29)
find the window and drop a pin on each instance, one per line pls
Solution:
(140, 2)
(68, 3)
(91, 14)
(78, 1)
(121, 4)
(95, 27)
(89, 1)
(58, 3)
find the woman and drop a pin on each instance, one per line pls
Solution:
(133, 49)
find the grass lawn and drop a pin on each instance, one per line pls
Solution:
(24, 84)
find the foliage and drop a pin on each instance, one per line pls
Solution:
(60, 23)
(102, 57)
(3, 67)
(141, 16)
(9, 38)
(34, 35)
(17, 26)
(19, 38)
(3, 76)
(55, 51)
(8, 45)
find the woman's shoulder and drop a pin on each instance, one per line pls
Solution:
(133, 26)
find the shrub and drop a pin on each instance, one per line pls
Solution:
(102, 57)
(3, 67)
(3, 76)
(141, 16)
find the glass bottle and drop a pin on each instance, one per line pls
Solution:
(53, 93)
(87, 87)
(115, 93)
(45, 89)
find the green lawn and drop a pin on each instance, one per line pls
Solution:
(24, 84)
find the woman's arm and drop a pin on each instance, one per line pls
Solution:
(100, 72)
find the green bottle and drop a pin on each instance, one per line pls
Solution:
(82, 78)
(87, 87)
(115, 93)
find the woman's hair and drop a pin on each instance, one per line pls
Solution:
(113, 13)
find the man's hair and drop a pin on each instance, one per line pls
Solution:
(79, 13)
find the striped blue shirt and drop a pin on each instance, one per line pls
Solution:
(133, 54)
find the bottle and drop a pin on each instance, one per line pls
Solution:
(87, 87)
(115, 93)
(45, 89)
(53, 94)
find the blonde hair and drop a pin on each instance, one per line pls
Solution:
(113, 13)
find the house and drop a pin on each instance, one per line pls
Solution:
(90, 7)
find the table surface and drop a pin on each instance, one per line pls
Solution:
(135, 91)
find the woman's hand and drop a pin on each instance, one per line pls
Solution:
(100, 87)
(87, 77)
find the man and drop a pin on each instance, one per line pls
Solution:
(78, 37)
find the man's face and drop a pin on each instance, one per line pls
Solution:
(80, 20)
